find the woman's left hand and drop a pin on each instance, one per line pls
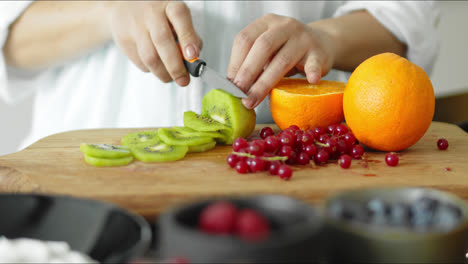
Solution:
(274, 46)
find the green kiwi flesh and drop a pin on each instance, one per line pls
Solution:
(202, 147)
(228, 110)
(173, 137)
(137, 138)
(104, 162)
(159, 152)
(106, 151)
(202, 123)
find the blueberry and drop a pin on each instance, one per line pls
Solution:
(399, 214)
(376, 211)
(447, 217)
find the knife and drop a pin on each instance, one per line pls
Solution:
(198, 68)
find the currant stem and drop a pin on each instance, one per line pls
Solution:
(263, 158)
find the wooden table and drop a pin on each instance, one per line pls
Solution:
(55, 165)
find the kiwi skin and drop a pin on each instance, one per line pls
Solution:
(229, 110)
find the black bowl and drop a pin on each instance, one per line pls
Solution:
(296, 233)
(100, 230)
(357, 238)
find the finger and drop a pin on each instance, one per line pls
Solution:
(313, 68)
(283, 62)
(150, 58)
(179, 16)
(129, 48)
(259, 55)
(242, 44)
(168, 50)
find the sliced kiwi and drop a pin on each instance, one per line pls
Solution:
(105, 162)
(145, 137)
(106, 151)
(228, 110)
(158, 152)
(202, 123)
(202, 147)
(173, 137)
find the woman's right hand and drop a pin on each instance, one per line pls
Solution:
(144, 31)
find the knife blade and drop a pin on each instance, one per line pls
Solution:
(198, 68)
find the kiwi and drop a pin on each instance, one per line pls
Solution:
(228, 110)
(202, 147)
(106, 151)
(105, 162)
(145, 137)
(173, 137)
(158, 152)
(202, 123)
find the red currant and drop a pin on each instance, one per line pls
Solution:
(242, 167)
(357, 151)
(232, 159)
(332, 146)
(442, 144)
(287, 140)
(322, 156)
(294, 128)
(331, 129)
(274, 166)
(306, 139)
(350, 139)
(345, 161)
(251, 225)
(342, 146)
(311, 150)
(292, 158)
(256, 147)
(272, 143)
(239, 144)
(285, 172)
(391, 159)
(341, 129)
(266, 131)
(218, 218)
(285, 151)
(257, 164)
(303, 158)
(322, 138)
(319, 131)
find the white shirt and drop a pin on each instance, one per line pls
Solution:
(105, 90)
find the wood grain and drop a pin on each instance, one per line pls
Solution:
(55, 165)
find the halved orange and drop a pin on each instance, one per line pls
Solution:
(294, 101)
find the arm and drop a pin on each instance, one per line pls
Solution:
(274, 46)
(52, 32)
(358, 36)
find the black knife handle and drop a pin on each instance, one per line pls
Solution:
(195, 66)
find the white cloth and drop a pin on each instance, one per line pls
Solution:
(104, 89)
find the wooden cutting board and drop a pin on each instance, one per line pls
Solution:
(55, 165)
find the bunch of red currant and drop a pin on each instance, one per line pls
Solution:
(294, 146)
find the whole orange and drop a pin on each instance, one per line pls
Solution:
(294, 101)
(388, 102)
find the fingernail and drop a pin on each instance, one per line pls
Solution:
(189, 52)
(183, 81)
(248, 103)
(230, 76)
(313, 78)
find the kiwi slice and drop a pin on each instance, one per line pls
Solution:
(173, 137)
(105, 162)
(202, 123)
(145, 137)
(159, 152)
(106, 151)
(228, 110)
(202, 147)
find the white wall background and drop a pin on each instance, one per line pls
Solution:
(450, 74)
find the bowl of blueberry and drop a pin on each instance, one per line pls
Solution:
(265, 228)
(397, 225)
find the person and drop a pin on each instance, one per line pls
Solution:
(95, 64)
